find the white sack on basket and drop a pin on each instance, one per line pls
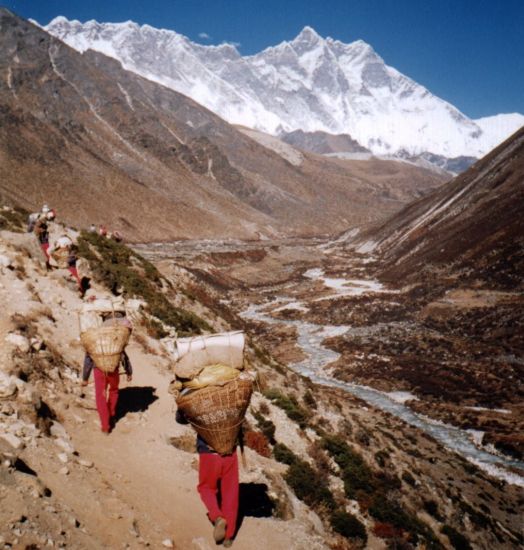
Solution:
(89, 319)
(105, 305)
(197, 352)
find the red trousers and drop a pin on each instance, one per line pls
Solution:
(45, 247)
(74, 273)
(106, 400)
(212, 468)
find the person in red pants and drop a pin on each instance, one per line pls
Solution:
(106, 388)
(214, 468)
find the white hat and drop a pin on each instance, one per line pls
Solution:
(45, 209)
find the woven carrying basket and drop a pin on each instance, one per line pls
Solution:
(61, 256)
(216, 412)
(105, 345)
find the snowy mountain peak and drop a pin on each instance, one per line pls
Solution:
(310, 83)
(307, 35)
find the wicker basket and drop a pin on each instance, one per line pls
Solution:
(105, 345)
(216, 412)
(61, 256)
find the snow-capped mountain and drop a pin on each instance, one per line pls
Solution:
(310, 83)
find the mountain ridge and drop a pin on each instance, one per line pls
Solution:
(309, 83)
(101, 143)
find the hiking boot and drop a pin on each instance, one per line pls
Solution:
(228, 543)
(219, 532)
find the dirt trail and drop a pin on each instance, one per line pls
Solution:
(130, 489)
(155, 482)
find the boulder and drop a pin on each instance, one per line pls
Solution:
(18, 341)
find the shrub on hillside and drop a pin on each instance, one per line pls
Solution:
(290, 406)
(267, 427)
(258, 442)
(310, 400)
(386, 530)
(457, 540)
(348, 525)
(284, 454)
(121, 269)
(390, 512)
(14, 219)
(307, 485)
(355, 473)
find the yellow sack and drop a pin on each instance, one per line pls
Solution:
(213, 375)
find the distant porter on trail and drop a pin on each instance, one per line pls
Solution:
(104, 332)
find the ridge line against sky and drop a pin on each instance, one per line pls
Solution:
(468, 53)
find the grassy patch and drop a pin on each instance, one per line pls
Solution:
(121, 269)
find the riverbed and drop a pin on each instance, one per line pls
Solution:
(309, 340)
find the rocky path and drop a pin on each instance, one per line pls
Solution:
(133, 488)
(152, 484)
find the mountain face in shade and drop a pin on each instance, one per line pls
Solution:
(104, 145)
(310, 84)
(472, 226)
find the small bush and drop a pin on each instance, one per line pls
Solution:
(431, 508)
(120, 268)
(456, 539)
(478, 518)
(386, 530)
(356, 474)
(155, 329)
(308, 486)
(14, 220)
(381, 457)
(310, 400)
(390, 512)
(289, 405)
(409, 479)
(348, 525)
(284, 454)
(258, 442)
(267, 427)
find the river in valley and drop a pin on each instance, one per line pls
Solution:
(310, 338)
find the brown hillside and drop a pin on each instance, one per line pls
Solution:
(103, 145)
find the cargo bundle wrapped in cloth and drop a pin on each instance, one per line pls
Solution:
(215, 390)
(105, 340)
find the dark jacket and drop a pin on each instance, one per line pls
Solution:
(89, 364)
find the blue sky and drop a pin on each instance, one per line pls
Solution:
(468, 52)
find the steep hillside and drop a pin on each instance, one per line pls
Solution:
(104, 145)
(323, 470)
(472, 227)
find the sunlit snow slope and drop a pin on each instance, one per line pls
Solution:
(311, 83)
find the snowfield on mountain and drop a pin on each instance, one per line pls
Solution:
(310, 83)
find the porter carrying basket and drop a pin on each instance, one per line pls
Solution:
(105, 345)
(217, 412)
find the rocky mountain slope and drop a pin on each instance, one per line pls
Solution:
(310, 83)
(472, 225)
(324, 471)
(454, 331)
(104, 145)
